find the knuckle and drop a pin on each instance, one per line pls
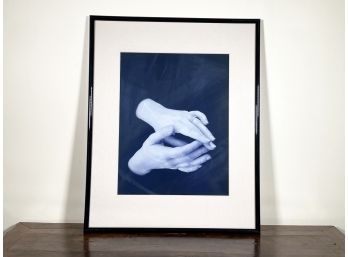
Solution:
(171, 163)
(170, 156)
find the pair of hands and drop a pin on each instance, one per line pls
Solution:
(186, 157)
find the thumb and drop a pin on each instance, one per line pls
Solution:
(159, 135)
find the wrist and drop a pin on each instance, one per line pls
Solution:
(150, 112)
(137, 166)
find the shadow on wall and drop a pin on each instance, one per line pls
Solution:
(75, 198)
(269, 212)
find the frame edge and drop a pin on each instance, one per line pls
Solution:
(90, 123)
(92, 20)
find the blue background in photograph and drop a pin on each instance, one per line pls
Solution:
(182, 82)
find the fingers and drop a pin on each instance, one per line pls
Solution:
(210, 146)
(188, 129)
(190, 169)
(174, 141)
(200, 151)
(200, 121)
(190, 157)
(194, 165)
(203, 129)
(182, 151)
(193, 162)
(201, 116)
(159, 135)
(201, 160)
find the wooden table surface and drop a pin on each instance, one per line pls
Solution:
(58, 240)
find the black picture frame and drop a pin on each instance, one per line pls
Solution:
(87, 228)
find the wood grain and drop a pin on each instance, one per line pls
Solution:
(58, 240)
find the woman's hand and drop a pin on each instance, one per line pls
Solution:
(190, 165)
(191, 124)
(154, 155)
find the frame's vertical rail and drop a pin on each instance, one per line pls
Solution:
(90, 122)
(257, 125)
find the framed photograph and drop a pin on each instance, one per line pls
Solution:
(173, 125)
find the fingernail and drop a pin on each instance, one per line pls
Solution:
(208, 158)
(213, 138)
(208, 146)
(212, 145)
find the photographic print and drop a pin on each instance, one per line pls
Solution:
(173, 125)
